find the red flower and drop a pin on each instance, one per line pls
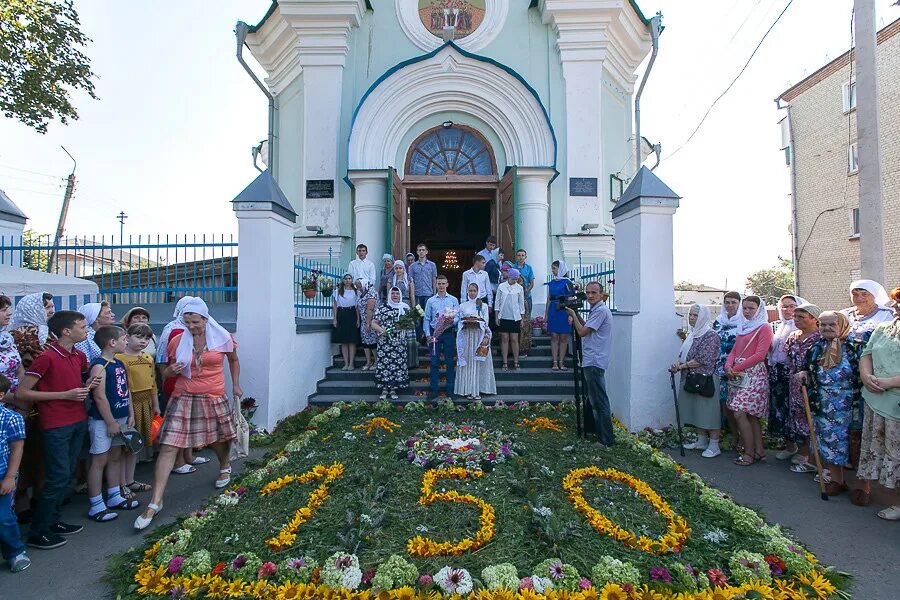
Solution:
(716, 578)
(776, 565)
(217, 570)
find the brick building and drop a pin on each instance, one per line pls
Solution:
(819, 141)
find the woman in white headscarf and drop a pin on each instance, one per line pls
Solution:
(96, 315)
(28, 327)
(392, 368)
(402, 281)
(699, 354)
(870, 308)
(559, 325)
(778, 424)
(745, 369)
(475, 369)
(198, 414)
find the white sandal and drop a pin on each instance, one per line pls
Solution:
(143, 522)
(220, 483)
(891, 513)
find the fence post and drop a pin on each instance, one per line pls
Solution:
(644, 327)
(265, 315)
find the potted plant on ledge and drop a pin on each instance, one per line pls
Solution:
(537, 326)
(310, 284)
(326, 286)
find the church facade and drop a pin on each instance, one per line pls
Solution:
(445, 121)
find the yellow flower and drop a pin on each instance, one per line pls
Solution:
(236, 588)
(816, 585)
(150, 579)
(612, 591)
(218, 588)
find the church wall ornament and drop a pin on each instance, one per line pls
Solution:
(478, 22)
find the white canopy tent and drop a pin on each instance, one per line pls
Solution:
(68, 292)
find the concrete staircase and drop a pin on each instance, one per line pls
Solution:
(534, 381)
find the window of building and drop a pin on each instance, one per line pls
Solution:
(848, 92)
(853, 158)
(854, 223)
(451, 150)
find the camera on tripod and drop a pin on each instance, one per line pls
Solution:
(574, 301)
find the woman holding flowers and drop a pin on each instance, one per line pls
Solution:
(778, 424)
(365, 305)
(475, 369)
(879, 369)
(391, 370)
(798, 345)
(345, 320)
(748, 380)
(832, 374)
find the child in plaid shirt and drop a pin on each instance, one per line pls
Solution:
(12, 442)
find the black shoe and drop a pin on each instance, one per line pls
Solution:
(61, 528)
(24, 517)
(46, 542)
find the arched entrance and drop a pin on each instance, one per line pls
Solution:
(450, 191)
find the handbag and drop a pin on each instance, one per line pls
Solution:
(698, 383)
(240, 446)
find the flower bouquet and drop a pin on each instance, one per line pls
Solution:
(538, 325)
(445, 321)
(326, 286)
(406, 322)
(248, 407)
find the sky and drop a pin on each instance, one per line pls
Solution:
(169, 140)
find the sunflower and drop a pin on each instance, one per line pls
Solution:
(404, 593)
(149, 579)
(757, 591)
(288, 591)
(612, 591)
(218, 588)
(645, 593)
(815, 585)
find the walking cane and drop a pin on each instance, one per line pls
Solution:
(677, 414)
(813, 443)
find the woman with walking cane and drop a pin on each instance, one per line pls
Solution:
(698, 396)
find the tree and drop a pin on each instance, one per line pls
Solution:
(39, 258)
(772, 284)
(40, 61)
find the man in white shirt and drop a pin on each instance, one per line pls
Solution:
(362, 267)
(490, 249)
(479, 277)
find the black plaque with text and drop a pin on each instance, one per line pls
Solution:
(321, 188)
(583, 186)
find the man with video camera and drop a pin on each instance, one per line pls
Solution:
(596, 339)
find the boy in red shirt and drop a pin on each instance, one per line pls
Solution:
(54, 383)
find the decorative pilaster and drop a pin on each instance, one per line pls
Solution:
(533, 221)
(370, 210)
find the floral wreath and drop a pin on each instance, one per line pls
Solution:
(451, 445)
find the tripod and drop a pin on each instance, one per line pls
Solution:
(580, 384)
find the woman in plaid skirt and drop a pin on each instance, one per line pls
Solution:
(198, 413)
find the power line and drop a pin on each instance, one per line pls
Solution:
(733, 81)
(30, 179)
(31, 191)
(31, 172)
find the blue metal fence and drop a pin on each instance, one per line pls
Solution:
(144, 269)
(315, 275)
(603, 272)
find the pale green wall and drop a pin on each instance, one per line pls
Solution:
(288, 140)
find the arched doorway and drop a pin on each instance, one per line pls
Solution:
(450, 188)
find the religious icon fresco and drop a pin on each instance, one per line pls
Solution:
(464, 15)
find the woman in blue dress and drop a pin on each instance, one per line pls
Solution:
(559, 326)
(726, 325)
(834, 395)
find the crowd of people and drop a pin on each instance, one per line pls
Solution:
(370, 311)
(83, 398)
(825, 383)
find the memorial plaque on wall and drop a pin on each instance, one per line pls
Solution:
(583, 186)
(320, 188)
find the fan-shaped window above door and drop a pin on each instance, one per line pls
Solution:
(454, 150)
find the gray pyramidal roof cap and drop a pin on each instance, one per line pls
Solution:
(264, 189)
(646, 189)
(9, 211)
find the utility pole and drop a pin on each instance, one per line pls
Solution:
(63, 213)
(121, 218)
(871, 230)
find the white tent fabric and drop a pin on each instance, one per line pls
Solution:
(69, 292)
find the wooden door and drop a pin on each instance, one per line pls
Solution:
(506, 213)
(398, 219)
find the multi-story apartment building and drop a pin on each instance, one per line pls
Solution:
(820, 145)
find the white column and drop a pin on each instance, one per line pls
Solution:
(265, 314)
(370, 211)
(644, 327)
(533, 226)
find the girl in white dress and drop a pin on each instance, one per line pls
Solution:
(475, 369)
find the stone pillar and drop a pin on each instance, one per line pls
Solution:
(644, 326)
(265, 316)
(370, 211)
(533, 230)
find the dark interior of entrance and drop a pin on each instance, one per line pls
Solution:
(450, 225)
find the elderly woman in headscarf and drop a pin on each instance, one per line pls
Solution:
(475, 369)
(779, 377)
(366, 304)
(199, 414)
(509, 306)
(726, 326)
(392, 369)
(699, 354)
(832, 376)
(879, 369)
(748, 380)
(403, 282)
(28, 326)
(870, 308)
(798, 345)
(559, 326)
(96, 315)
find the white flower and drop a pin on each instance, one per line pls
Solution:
(546, 470)
(568, 448)
(541, 584)
(422, 529)
(365, 519)
(232, 538)
(456, 443)
(349, 436)
(715, 535)
(351, 578)
(542, 511)
(227, 499)
(311, 454)
(454, 581)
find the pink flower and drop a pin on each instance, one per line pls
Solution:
(717, 578)
(584, 583)
(526, 584)
(425, 580)
(175, 565)
(266, 570)
(367, 576)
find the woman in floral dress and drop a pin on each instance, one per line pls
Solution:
(832, 374)
(778, 425)
(391, 370)
(368, 301)
(798, 345)
(748, 380)
(726, 326)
